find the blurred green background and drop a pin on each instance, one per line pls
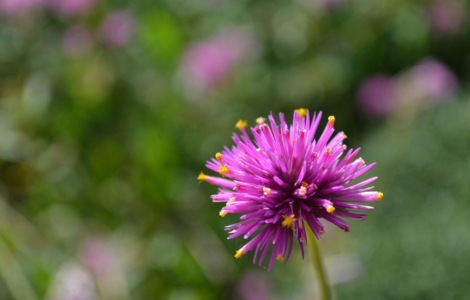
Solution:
(109, 110)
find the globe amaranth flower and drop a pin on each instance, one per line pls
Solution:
(284, 179)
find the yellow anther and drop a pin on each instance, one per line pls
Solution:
(331, 120)
(218, 156)
(222, 213)
(344, 135)
(260, 120)
(224, 170)
(239, 253)
(288, 221)
(266, 191)
(380, 195)
(202, 177)
(302, 112)
(241, 124)
(280, 258)
(330, 209)
(304, 184)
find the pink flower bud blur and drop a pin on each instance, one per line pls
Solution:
(375, 95)
(97, 256)
(69, 8)
(72, 282)
(435, 80)
(254, 285)
(19, 7)
(118, 28)
(77, 41)
(209, 62)
(447, 16)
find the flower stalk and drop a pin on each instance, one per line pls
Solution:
(318, 267)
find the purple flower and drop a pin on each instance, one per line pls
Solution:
(18, 7)
(375, 96)
(285, 179)
(117, 29)
(434, 79)
(209, 62)
(71, 7)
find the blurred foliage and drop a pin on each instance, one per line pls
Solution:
(103, 132)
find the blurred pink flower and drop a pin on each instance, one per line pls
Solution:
(72, 282)
(71, 7)
(77, 41)
(254, 285)
(447, 16)
(376, 95)
(211, 61)
(101, 259)
(97, 256)
(427, 82)
(118, 28)
(18, 7)
(435, 80)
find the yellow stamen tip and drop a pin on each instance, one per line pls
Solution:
(380, 195)
(280, 258)
(218, 156)
(260, 120)
(330, 209)
(222, 213)
(302, 112)
(202, 177)
(344, 135)
(288, 221)
(331, 119)
(304, 184)
(241, 124)
(266, 191)
(224, 170)
(239, 253)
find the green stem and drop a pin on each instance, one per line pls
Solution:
(325, 288)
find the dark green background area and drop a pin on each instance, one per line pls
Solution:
(107, 147)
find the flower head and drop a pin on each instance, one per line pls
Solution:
(283, 179)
